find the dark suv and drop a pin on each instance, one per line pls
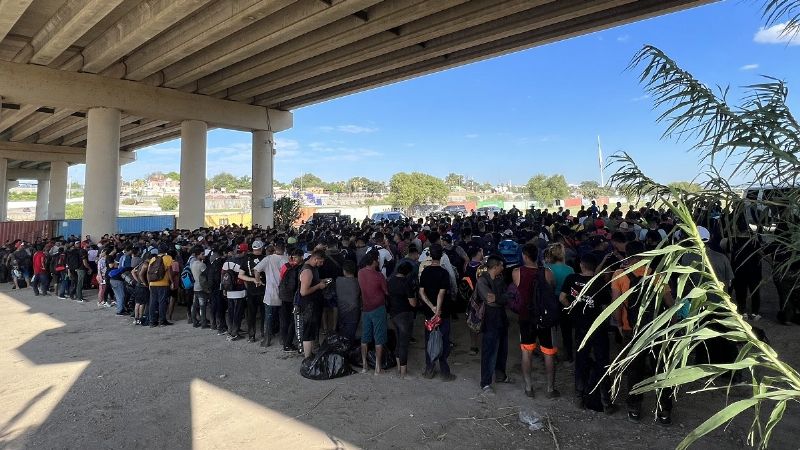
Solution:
(455, 210)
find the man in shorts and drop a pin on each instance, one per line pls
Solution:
(374, 290)
(525, 278)
(311, 300)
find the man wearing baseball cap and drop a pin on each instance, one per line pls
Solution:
(254, 286)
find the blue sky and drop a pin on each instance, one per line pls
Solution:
(508, 118)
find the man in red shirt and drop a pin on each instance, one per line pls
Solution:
(41, 276)
(374, 290)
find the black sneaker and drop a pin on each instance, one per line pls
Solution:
(167, 323)
(288, 349)
(251, 339)
(610, 409)
(664, 418)
(634, 417)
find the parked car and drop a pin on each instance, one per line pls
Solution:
(488, 210)
(388, 215)
(455, 210)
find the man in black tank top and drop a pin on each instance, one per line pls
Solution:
(311, 300)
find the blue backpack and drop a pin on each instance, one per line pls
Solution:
(511, 252)
(187, 279)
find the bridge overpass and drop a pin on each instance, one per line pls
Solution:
(92, 81)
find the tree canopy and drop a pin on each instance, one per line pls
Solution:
(408, 189)
(592, 190)
(546, 189)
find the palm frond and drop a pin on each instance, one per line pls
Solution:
(777, 11)
(712, 314)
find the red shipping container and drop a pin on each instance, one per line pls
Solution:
(26, 230)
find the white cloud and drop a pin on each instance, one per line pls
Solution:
(640, 98)
(471, 136)
(623, 38)
(749, 67)
(777, 34)
(352, 129)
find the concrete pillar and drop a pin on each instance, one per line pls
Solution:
(192, 201)
(101, 193)
(263, 174)
(57, 203)
(42, 197)
(3, 189)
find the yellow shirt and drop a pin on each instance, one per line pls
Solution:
(166, 281)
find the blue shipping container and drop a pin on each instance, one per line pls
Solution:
(125, 225)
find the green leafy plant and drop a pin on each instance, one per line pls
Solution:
(758, 143)
(286, 212)
(168, 203)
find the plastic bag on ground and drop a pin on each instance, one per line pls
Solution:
(530, 418)
(435, 345)
(330, 361)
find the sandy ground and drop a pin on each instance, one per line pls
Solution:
(76, 376)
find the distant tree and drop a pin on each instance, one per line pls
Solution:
(128, 201)
(223, 180)
(308, 180)
(286, 211)
(408, 189)
(374, 187)
(454, 180)
(686, 186)
(173, 176)
(546, 189)
(168, 203)
(592, 189)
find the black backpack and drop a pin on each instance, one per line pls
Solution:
(231, 281)
(544, 308)
(215, 277)
(289, 284)
(456, 261)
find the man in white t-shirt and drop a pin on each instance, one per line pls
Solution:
(234, 290)
(271, 267)
(384, 255)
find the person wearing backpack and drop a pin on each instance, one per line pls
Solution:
(644, 365)
(159, 278)
(122, 264)
(254, 286)
(219, 306)
(234, 291)
(491, 291)
(200, 286)
(271, 266)
(287, 289)
(527, 278)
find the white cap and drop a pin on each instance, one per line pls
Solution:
(705, 235)
(257, 244)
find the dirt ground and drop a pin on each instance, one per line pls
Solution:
(77, 376)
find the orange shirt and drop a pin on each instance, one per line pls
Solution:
(622, 283)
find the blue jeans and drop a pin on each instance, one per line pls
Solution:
(41, 283)
(118, 286)
(444, 368)
(64, 286)
(159, 299)
(494, 347)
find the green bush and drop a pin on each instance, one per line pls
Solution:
(128, 201)
(168, 203)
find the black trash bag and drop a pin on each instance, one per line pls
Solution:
(330, 361)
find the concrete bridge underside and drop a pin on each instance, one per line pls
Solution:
(93, 80)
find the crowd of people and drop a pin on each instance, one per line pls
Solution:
(295, 287)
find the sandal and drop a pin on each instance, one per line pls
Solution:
(506, 380)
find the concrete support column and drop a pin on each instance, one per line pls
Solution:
(3, 189)
(57, 203)
(263, 173)
(101, 191)
(42, 197)
(192, 202)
